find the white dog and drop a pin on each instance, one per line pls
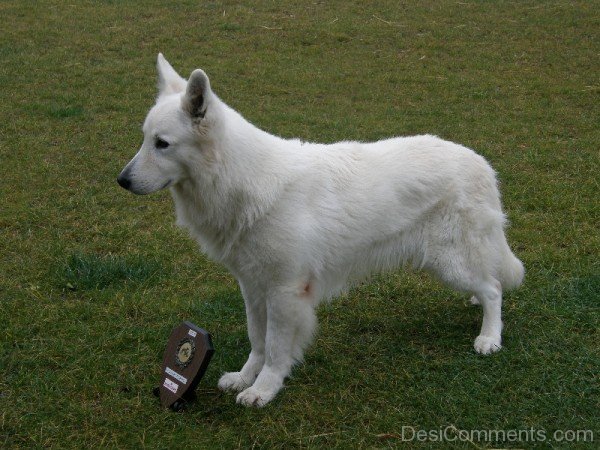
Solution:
(297, 222)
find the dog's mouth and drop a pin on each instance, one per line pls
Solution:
(143, 189)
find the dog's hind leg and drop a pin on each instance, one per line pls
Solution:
(256, 315)
(469, 272)
(291, 322)
(489, 293)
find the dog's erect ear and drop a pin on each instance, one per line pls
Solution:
(169, 81)
(197, 94)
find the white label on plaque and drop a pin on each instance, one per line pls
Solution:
(171, 385)
(175, 375)
(192, 333)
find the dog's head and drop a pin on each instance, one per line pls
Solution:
(176, 131)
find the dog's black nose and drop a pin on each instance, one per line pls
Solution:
(125, 182)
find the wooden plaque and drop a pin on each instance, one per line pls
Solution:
(186, 358)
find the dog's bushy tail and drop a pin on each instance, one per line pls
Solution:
(512, 271)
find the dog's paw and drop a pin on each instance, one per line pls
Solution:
(474, 301)
(232, 381)
(255, 397)
(487, 344)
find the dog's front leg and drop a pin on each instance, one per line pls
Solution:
(291, 322)
(256, 316)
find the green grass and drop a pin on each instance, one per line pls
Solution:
(82, 272)
(93, 279)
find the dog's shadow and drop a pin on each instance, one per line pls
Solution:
(411, 330)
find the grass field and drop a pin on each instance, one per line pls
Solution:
(93, 278)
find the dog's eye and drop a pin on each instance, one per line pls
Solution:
(161, 143)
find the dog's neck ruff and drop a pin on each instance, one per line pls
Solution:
(251, 168)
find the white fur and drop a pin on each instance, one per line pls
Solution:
(297, 222)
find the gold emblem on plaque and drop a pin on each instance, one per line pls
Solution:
(185, 352)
